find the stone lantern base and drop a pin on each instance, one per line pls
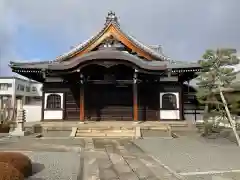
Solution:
(18, 133)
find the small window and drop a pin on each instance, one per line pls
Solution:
(27, 88)
(20, 87)
(54, 101)
(34, 89)
(169, 102)
(4, 86)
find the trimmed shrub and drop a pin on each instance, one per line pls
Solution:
(18, 160)
(4, 128)
(8, 172)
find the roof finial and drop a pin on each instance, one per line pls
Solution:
(111, 17)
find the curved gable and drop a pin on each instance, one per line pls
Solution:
(113, 31)
(112, 28)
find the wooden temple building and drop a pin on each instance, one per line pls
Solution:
(111, 76)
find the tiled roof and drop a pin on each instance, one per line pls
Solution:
(108, 54)
(159, 58)
(112, 20)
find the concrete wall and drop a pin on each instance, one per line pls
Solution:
(29, 89)
(15, 82)
(9, 90)
(33, 113)
(32, 85)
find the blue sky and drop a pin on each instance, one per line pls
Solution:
(36, 45)
(41, 30)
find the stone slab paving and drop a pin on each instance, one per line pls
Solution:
(195, 157)
(115, 161)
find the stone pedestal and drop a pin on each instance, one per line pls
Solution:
(82, 122)
(18, 133)
(138, 134)
(136, 122)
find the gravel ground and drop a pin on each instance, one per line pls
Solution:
(54, 165)
(32, 144)
(185, 155)
(224, 176)
(108, 158)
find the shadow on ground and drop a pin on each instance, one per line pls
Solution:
(37, 167)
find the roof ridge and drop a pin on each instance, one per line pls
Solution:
(81, 45)
(112, 19)
(162, 56)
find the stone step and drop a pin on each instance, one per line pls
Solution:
(84, 130)
(163, 128)
(82, 134)
(105, 128)
(103, 131)
(105, 134)
(129, 134)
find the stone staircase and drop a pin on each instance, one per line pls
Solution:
(109, 129)
(106, 132)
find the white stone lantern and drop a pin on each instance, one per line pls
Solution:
(19, 130)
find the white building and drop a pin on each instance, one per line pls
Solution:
(13, 88)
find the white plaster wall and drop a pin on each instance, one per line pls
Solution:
(170, 114)
(51, 115)
(33, 113)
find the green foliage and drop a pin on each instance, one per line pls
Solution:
(233, 99)
(216, 74)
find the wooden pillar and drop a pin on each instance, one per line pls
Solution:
(135, 97)
(82, 117)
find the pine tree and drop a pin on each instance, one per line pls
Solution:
(217, 75)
